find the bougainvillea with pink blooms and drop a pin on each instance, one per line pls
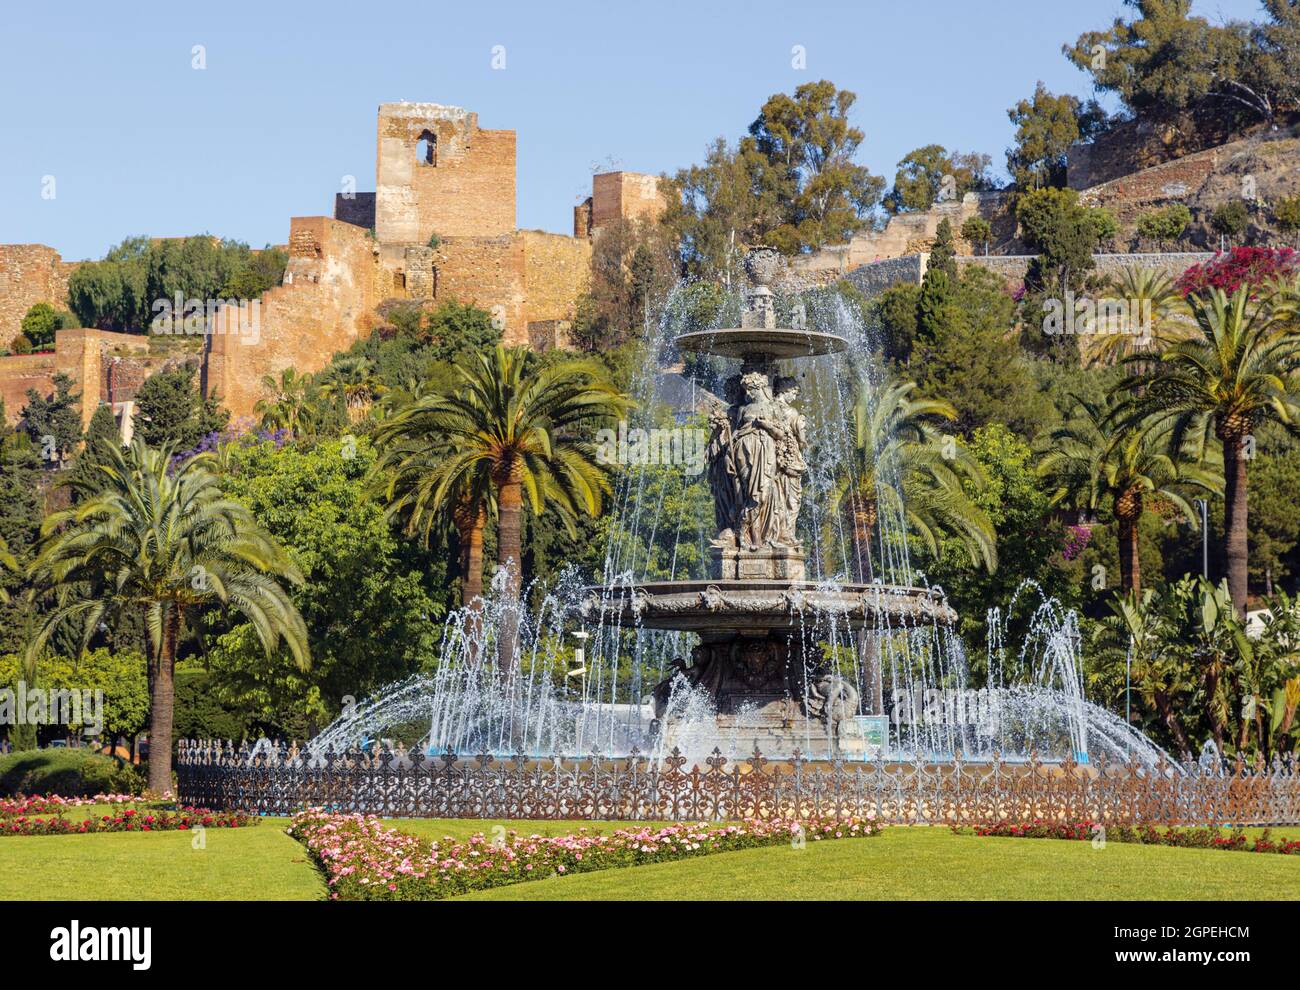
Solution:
(182, 819)
(1249, 266)
(363, 859)
(1148, 835)
(1077, 539)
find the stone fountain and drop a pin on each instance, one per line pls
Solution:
(759, 619)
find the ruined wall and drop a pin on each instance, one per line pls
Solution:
(467, 190)
(18, 373)
(1259, 170)
(557, 269)
(912, 233)
(489, 273)
(104, 367)
(875, 278)
(330, 288)
(624, 195)
(30, 273)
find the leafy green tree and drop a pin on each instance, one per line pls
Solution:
(932, 173)
(169, 410)
(1234, 375)
(1100, 467)
(977, 231)
(973, 359)
(1063, 232)
(40, 323)
(720, 206)
(937, 287)
(54, 422)
(1029, 541)
(1286, 214)
(808, 146)
(529, 429)
(1165, 62)
(164, 542)
(101, 436)
(261, 270)
(1046, 126)
(457, 331)
(359, 589)
(1231, 218)
(22, 505)
(1274, 524)
(1158, 302)
(896, 310)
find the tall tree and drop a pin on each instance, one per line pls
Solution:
(934, 174)
(54, 422)
(528, 429)
(1046, 127)
(809, 145)
(1099, 466)
(164, 542)
(1235, 373)
(287, 404)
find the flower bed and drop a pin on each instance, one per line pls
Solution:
(1147, 835)
(44, 816)
(52, 804)
(363, 859)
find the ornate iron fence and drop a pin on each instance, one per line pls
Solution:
(279, 780)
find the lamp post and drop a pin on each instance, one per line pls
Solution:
(1204, 507)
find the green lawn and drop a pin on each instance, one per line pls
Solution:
(900, 864)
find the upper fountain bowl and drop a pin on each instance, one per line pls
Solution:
(742, 342)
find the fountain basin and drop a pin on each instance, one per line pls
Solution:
(721, 607)
(768, 342)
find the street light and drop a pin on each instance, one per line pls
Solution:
(1204, 507)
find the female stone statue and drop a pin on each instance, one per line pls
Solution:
(759, 427)
(791, 464)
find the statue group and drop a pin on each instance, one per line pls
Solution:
(756, 463)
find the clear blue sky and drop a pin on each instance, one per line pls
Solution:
(102, 96)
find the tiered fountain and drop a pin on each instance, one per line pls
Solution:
(759, 620)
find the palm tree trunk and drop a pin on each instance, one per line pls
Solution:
(471, 548)
(161, 706)
(1130, 565)
(1236, 550)
(510, 507)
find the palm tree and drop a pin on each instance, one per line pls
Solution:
(902, 464)
(288, 405)
(166, 542)
(524, 433)
(1232, 375)
(412, 461)
(352, 378)
(1138, 633)
(1155, 296)
(1096, 466)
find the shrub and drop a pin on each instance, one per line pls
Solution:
(1250, 266)
(1164, 225)
(976, 230)
(1286, 214)
(67, 772)
(1230, 219)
